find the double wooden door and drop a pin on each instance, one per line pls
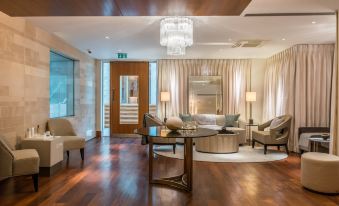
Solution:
(129, 96)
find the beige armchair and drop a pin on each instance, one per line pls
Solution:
(18, 163)
(276, 136)
(63, 128)
(150, 121)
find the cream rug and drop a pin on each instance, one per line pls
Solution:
(245, 154)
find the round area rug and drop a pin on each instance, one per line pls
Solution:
(245, 154)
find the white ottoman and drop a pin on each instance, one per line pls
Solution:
(320, 172)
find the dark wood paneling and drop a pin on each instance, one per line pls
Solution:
(115, 172)
(59, 7)
(140, 69)
(123, 7)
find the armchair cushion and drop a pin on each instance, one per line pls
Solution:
(25, 162)
(73, 142)
(276, 122)
(261, 136)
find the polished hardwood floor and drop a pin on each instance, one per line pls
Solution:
(115, 172)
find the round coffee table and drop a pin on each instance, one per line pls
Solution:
(185, 180)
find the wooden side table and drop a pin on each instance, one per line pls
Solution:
(50, 150)
(249, 131)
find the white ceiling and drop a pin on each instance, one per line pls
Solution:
(139, 36)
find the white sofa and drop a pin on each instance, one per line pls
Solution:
(216, 122)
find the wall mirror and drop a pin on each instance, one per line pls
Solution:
(205, 95)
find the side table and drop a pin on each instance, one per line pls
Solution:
(315, 142)
(50, 150)
(249, 131)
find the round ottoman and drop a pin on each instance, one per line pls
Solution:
(320, 172)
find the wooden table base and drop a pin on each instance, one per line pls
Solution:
(183, 181)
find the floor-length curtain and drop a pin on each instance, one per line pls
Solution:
(334, 146)
(298, 82)
(173, 77)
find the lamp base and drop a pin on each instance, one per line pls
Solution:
(165, 119)
(250, 121)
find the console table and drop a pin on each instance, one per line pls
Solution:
(50, 150)
(185, 180)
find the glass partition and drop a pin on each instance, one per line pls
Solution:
(205, 94)
(129, 93)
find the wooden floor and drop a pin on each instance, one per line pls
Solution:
(115, 172)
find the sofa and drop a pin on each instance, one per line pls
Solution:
(217, 122)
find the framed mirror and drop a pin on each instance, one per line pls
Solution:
(205, 95)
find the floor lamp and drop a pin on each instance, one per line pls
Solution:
(165, 97)
(251, 97)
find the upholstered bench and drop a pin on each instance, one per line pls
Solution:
(221, 143)
(320, 172)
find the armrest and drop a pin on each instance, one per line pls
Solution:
(6, 163)
(263, 126)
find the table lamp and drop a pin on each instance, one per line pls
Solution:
(251, 97)
(165, 97)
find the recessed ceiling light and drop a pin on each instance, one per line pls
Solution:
(314, 22)
(283, 39)
(107, 37)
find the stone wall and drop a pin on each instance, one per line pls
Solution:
(24, 79)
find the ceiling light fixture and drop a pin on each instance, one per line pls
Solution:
(314, 22)
(283, 39)
(176, 33)
(107, 37)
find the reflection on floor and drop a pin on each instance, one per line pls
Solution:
(115, 172)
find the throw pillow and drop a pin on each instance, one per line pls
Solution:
(276, 122)
(231, 119)
(186, 117)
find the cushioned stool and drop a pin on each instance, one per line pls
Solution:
(320, 172)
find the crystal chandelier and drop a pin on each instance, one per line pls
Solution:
(176, 33)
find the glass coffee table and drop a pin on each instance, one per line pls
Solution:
(185, 180)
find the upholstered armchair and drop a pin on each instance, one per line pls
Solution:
(150, 121)
(277, 135)
(64, 129)
(18, 163)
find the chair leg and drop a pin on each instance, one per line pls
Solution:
(82, 153)
(278, 147)
(67, 154)
(174, 148)
(35, 178)
(286, 147)
(265, 149)
(253, 143)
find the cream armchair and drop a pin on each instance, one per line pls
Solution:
(278, 135)
(150, 121)
(18, 163)
(63, 128)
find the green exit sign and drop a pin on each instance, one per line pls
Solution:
(122, 55)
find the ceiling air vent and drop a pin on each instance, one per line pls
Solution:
(247, 43)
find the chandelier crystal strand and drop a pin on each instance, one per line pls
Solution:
(176, 33)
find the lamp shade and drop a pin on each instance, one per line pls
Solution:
(251, 96)
(164, 96)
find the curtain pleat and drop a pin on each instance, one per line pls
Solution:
(173, 77)
(298, 82)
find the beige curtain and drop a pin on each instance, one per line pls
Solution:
(173, 77)
(298, 82)
(334, 146)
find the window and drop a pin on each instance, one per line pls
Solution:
(61, 86)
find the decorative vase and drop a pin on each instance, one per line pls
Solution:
(174, 123)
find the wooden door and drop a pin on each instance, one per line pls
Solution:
(129, 96)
